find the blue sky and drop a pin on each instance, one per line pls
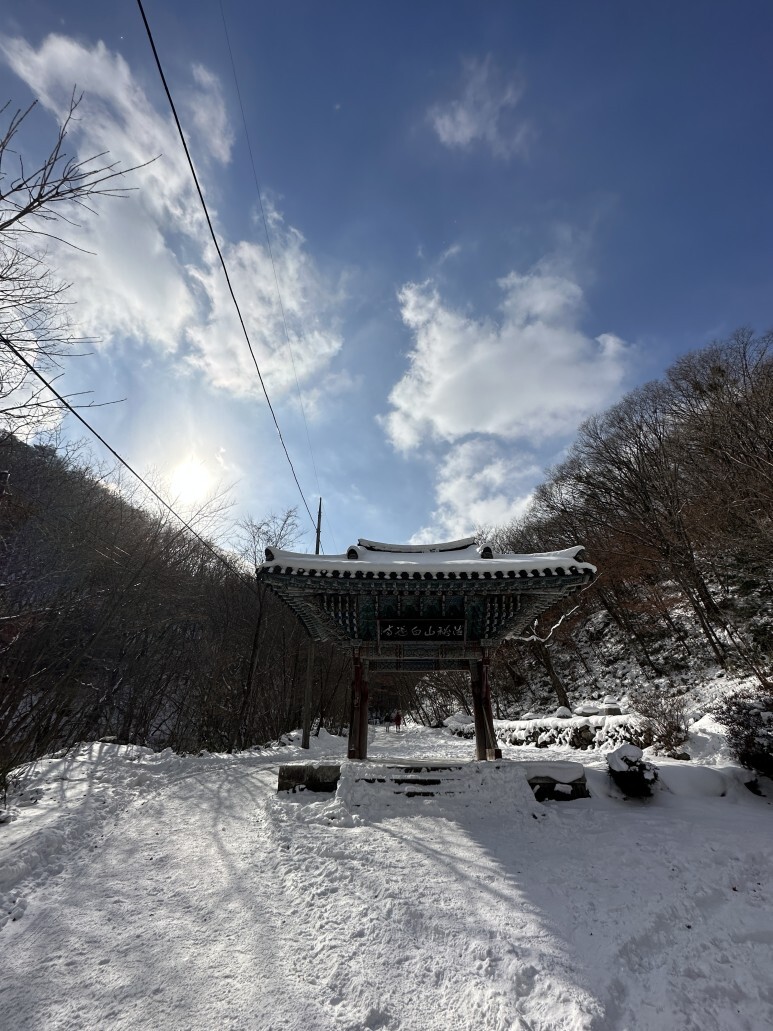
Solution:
(488, 222)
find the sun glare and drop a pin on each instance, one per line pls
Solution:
(190, 481)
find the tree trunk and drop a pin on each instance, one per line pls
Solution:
(543, 654)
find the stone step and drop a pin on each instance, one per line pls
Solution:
(559, 781)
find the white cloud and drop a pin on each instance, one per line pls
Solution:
(332, 384)
(487, 394)
(219, 348)
(478, 483)
(484, 113)
(531, 374)
(209, 116)
(115, 115)
(450, 252)
(153, 276)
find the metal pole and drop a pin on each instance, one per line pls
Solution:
(319, 526)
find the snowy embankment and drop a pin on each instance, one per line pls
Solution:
(159, 891)
(577, 732)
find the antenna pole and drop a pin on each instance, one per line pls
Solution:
(319, 526)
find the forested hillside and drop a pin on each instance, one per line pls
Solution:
(118, 622)
(671, 492)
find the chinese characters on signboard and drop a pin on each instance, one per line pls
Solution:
(421, 629)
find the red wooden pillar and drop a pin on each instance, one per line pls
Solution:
(363, 710)
(356, 747)
(478, 711)
(492, 750)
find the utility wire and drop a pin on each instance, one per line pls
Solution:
(268, 243)
(222, 259)
(63, 400)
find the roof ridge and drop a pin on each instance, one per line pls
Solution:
(416, 549)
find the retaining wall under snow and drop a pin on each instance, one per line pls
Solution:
(578, 732)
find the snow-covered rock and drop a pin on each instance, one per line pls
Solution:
(458, 719)
(586, 709)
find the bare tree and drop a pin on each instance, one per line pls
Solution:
(671, 491)
(35, 201)
(253, 536)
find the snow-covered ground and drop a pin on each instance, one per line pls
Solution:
(151, 891)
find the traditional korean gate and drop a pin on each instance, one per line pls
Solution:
(401, 608)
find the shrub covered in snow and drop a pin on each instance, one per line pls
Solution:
(631, 772)
(749, 722)
(576, 732)
(666, 713)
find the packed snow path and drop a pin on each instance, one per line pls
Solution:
(187, 895)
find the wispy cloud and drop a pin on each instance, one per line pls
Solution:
(206, 107)
(153, 276)
(308, 311)
(450, 252)
(484, 113)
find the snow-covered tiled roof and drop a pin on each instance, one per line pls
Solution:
(463, 559)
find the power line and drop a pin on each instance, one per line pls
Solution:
(63, 400)
(268, 243)
(222, 259)
(273, 263)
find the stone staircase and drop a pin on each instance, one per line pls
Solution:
(424, 781)
(363, 783)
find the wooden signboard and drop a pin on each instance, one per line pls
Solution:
(421, 629)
